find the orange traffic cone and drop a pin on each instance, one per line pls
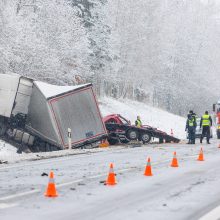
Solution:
(174, 161)
(200, 157)
(148, 171)
(51, 188)
(219, 146)
(104, 143)
(111, 177)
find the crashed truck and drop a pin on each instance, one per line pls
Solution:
(37, 116)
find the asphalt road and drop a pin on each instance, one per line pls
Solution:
(187, 192)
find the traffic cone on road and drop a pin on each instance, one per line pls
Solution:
(219, 146)
(201, 157)
(148, 171)
(174, 161)
(51, 188)
(111, 177)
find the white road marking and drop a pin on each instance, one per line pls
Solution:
(14, 196)
(69, 183)
(5, 205)
(44, 162)
(212, 215)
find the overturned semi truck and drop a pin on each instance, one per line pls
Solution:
(38, 115)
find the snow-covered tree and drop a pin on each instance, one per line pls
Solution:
(45, 40)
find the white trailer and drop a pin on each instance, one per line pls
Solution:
(55, 109)
(40, 115)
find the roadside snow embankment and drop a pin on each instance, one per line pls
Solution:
(149, 115)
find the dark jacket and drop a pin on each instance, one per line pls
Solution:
(191, 122)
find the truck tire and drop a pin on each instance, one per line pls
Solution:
(113, 139)
(145, 138)
(218, 134)
(132, 134)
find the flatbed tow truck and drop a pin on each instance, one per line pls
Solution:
(120, 130)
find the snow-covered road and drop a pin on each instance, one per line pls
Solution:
(187, 192)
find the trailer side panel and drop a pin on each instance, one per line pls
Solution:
(40, 122)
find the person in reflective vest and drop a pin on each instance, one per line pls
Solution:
(193, 114)
(138, 122)
(191, 128)
(205, 123)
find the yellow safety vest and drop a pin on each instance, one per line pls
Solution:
(191, 122)
(139, 124)
(205, 120)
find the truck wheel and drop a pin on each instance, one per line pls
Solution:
(145, 137)
(113, 139)
(132, 134)
(218, 134)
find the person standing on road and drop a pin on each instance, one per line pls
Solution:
(138, 122)
(191, 128)
(206, 123)
(193, 114)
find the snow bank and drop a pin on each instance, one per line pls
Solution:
(7, 152)
(149, 115)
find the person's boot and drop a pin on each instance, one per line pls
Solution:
(200, 140)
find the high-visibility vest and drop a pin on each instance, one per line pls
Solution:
(139, 124)
(191, 122)
(205, 120)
